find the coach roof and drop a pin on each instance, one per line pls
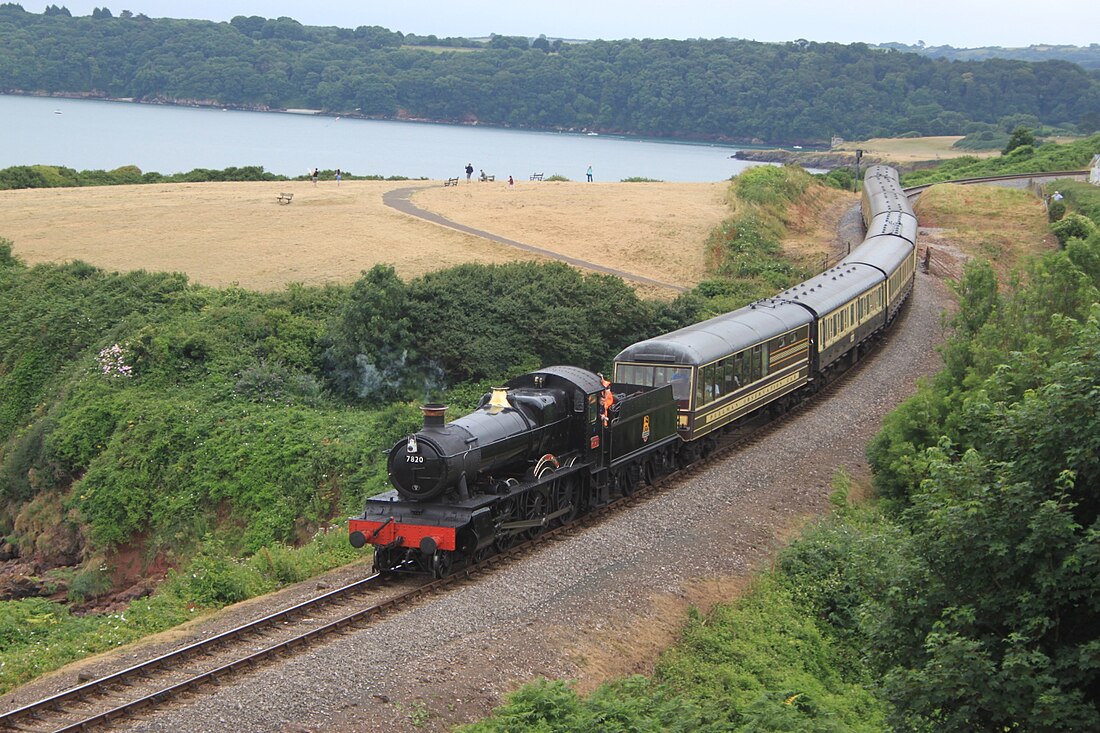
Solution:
(703, 343)
(833, 288)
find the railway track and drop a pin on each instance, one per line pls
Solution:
(148, 685)
(152, 682)
(126, 694)
(915, 191)
(143, 687)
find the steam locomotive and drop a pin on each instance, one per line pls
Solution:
(560, 441)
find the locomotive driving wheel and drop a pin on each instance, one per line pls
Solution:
(565, 492)
(535, 504)
(505, 511)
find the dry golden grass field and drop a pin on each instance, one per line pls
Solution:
(915, 149)
(224, 233)
(1004, 226)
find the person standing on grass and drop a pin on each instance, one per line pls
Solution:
(589, 174)
(469, 171)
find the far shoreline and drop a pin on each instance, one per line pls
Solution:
(716, 141)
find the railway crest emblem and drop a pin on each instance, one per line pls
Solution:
(645, 428)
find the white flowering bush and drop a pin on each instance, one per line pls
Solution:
(112, 362)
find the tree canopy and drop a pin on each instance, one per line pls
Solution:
(706, 89)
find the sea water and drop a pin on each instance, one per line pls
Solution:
(93, 134)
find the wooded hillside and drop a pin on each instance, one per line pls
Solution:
(706, 89)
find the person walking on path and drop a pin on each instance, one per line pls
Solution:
(339, 176)
(313, 176)
(589, 174)
(469, 171)
(511, 182)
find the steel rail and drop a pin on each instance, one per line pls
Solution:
(92, 687)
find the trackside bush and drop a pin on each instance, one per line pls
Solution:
(761, 664)
(744, 250)
(1073, 226)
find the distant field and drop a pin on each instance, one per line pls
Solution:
(1001, 225)
(441, 49)
(225, 233)
(914, 149)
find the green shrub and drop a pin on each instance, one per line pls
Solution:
(1084, 198)
(284, 565)
(1056, 210)
(89, 583)
(475, 322)
(1073, 226)
(841, 178)
(984, 140)
(771, 185)
(214, 578)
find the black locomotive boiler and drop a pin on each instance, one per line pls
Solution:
(534, 454)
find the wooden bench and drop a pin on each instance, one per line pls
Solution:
(284, 198)
(451, 182)
(536, 176)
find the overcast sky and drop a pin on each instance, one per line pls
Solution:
(959, 23)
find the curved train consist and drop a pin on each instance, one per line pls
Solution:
(561, 441)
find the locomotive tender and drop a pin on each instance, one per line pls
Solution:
(543, 448)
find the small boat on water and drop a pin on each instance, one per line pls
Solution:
(57, 111)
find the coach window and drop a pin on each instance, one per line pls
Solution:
(680, 378)
(727, 376)
(757, 366)
(642, 375)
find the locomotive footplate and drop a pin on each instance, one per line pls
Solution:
(389, 522)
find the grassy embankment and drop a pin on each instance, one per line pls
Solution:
(1025, 159)
(761, 248)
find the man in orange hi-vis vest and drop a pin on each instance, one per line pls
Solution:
(607, 400)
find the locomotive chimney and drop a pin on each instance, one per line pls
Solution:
(434, 413)
(499, 400)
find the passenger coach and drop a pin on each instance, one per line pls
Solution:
(724, 368)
